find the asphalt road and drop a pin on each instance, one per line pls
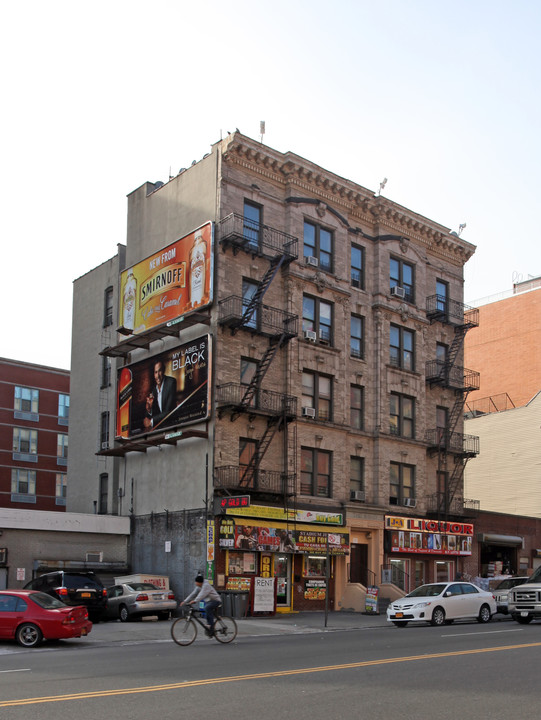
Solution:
(465, 670)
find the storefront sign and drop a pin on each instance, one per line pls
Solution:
(432, 537)
(264, 594)
(315, 590)
(238, 583)
(393, 522)
(275, 513)
(273, 539)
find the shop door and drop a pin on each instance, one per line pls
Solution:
(358, 561)
(282, 573)
(445, 571)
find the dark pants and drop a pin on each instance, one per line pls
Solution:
(210, 607)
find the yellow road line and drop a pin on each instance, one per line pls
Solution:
(255, 676)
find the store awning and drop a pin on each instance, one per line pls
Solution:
(491, 539)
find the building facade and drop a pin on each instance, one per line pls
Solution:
(34, 412)
(287, 383)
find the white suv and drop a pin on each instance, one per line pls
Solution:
(524, 601)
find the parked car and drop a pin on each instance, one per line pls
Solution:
(524, 601)
(137, 599)
(74, 588)
(501, 592)
(441, 603)
(29, 617)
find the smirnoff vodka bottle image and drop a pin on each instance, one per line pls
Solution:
(197, 269)
(130, 293)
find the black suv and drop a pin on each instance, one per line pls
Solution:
(74, 588)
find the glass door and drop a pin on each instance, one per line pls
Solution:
(282, 573)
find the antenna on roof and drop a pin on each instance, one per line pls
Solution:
(261, 129)
(382, 185)
(461, 228)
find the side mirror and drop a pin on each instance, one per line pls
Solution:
(447, 593)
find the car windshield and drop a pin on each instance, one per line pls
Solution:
(510, 582)
(428, 590)
(47, 601)
(137, 587)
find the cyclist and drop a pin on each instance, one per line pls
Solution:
(204, 592)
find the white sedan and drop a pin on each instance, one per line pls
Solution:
(441, 603)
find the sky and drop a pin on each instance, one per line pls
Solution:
(441, 98)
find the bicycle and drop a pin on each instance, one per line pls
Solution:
(184, 629)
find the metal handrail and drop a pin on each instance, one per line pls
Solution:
(257, 238)
(268, 401)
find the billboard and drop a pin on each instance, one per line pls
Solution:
(170, 283)
(165, 391)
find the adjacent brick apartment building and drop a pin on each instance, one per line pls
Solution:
(286, 383)
(34, 417)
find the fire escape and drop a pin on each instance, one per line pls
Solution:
(251, 315)
(453, 448)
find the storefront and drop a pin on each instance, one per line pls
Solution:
(300, 549)
(501, 555)
(419, 551)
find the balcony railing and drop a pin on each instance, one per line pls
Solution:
(454, 377)
(231, 477)
(265, 320)
(436, 505)
(268, 402)
(245, 234)
(438, 307)
(454, 442)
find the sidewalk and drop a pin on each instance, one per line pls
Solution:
(150, 629)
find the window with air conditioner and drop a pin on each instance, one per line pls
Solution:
(318, 245)
(398, 291)
(309, 412)
(311, 260)
(310, 335)
(402, 279)
(317, 316)
(317, 394)
(357, 495)
(401, 484)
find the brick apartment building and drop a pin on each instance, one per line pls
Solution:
(307, 426)
(34, 407)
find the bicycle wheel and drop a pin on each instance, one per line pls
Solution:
(225, 629)
(183, 631)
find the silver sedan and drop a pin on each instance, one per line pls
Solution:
(135, 600)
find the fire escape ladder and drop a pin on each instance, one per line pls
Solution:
(263, 365)
(256, 298)
(273, 425)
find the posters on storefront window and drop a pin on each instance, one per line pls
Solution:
(273, 539)
(315, 590)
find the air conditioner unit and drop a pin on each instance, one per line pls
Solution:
(410, 502)
(309, 412)
(94, 557)
(311, 260)
(357, 495)
(310, 335)
(398, 291)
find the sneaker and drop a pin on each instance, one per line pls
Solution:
(209, 632)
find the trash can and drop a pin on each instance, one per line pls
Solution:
(226, 603)
(240, 604)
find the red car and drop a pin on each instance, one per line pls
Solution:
(29, 617)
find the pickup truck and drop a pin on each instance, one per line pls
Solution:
(524, 601)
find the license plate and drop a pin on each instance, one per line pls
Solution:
(86, 595)
(399, 614)
(83, 631)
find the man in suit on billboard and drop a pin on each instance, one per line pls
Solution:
(162, 400)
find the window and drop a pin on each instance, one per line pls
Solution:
(401, 417)
(441, 353)
(317, 316)
(60, 491)
(23, 482)
(356, 342)
(315, 472)
(318, 244)
(401, 275)
(401, 483)
(357, 266)
(441, 423)
(25, 441)
(356, 411)
(252, 224)
(26, 401)
(63, 407)
(356, 478)
(442, 299)
(62, 447)
(108, 308)
(317, 394)
(248, 369)
(104, 492)
(104, 430)
(105, 371)
(314, 566)
(247, 449)
(402, 348)
(249, 289)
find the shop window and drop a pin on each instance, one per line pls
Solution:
(241, 563)
(315, 566)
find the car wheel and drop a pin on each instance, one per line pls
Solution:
(123, 614)
(438, 617)
(400, 623)
(28, 635)
(484, 614)
(163, 615)
(523, 620)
